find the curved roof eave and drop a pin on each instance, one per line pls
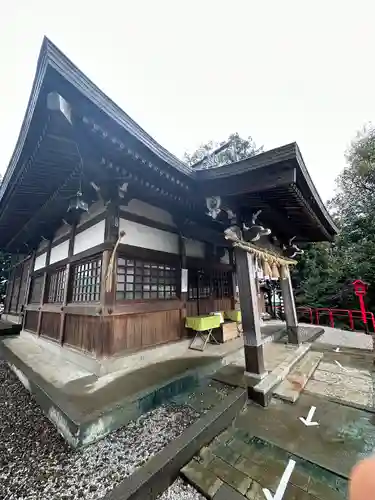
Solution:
(50, 55)
(262, 160)
(314, 191)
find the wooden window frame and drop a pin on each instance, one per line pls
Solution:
(56, 286)
(209, 283)
(140, 280)
(34, 279)
(77, 292)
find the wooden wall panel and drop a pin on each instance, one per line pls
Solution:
(134, 331)
(50, 325)
(206, 306)
(224, 304)
(31, 321)
(23, 286)
(89, 333)
(191, 308)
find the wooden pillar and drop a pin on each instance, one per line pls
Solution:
(253, 347)
(234, 278)
(67, 283)
(10, 286)
(183, 294)
(28, 287)
(289, 306)
(44, 287)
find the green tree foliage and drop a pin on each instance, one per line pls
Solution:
(244, 148)
(323, 276)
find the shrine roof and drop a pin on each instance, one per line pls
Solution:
(43, 168)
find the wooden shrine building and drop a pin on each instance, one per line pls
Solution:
(104, 222)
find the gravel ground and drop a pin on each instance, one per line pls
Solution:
(37, 464)
(180, 490)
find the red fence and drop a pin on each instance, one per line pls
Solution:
(314, 315)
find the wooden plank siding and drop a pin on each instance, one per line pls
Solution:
(135, 331)
(31, 321)
(92, 334)
(50, 325)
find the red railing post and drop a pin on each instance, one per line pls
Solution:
(311, 315)
(317, 316)
(351, 321)
(331, 320)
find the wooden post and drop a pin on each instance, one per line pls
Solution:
(10, 287)
(28, 287)
(67, 283)
(234, 279)
(44, 288)
(289, 306)
(253, 347)
(183, 295)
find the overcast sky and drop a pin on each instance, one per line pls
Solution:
(188, 72)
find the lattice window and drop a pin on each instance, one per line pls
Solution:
(199, 284)
(203, 284)
(192, 284)
(144, 280)
(222, 284)
(86, 279)
(56, 285)
(36, 290)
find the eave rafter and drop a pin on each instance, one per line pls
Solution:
(157, 182)
(183, 185)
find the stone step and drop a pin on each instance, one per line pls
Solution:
(242, 464)
(268, 383)
(294, 383)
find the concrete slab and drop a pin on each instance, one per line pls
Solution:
(279, 359)
(345, 338)
(85, 407)
(8, 328)
(344, 434)
(239, 454)
(346, 378)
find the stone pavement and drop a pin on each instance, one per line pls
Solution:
(346, 378)
(254, 452)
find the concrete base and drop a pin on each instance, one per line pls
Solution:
(7, 328)
(84, 407)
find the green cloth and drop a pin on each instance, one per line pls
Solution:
(233, 315)
(202, 323)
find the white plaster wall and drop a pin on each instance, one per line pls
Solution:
(62, 231)
(225, 258)
(94, 210)
(195, 248)
(59, 252)
(141, 208)
(143, 236)
(40, 261)
(89, 238)
(42, 245)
